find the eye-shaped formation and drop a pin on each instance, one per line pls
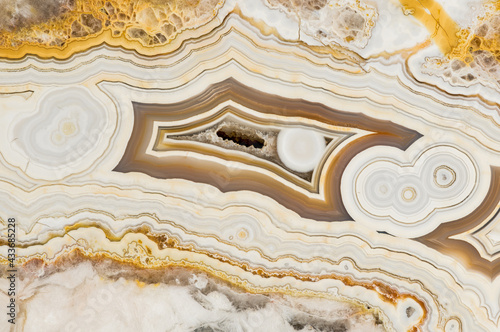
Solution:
(267, 165)
(308, 145)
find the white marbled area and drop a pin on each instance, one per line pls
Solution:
(464, 15)
(391, 18)
(136, 247)
(79, 299)
(346, 22)
(45, 201)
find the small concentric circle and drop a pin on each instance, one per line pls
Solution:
(408, 194)
(444, 176)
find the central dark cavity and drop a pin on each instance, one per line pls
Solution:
(241, 138)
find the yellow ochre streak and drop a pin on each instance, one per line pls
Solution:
(444, 31)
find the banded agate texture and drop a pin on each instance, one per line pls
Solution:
(264, 165)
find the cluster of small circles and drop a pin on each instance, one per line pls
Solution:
(443, 176)
(241, 234)
(402, 195)
(67, 128)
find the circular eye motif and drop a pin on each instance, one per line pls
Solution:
(242, 234)
(410, 199)
(383, 190)
(300, 149)
(453, 325)
(64, 134)
(444, 176)
(409, 194)
(410, 312)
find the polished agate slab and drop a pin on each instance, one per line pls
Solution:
(268, 165)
